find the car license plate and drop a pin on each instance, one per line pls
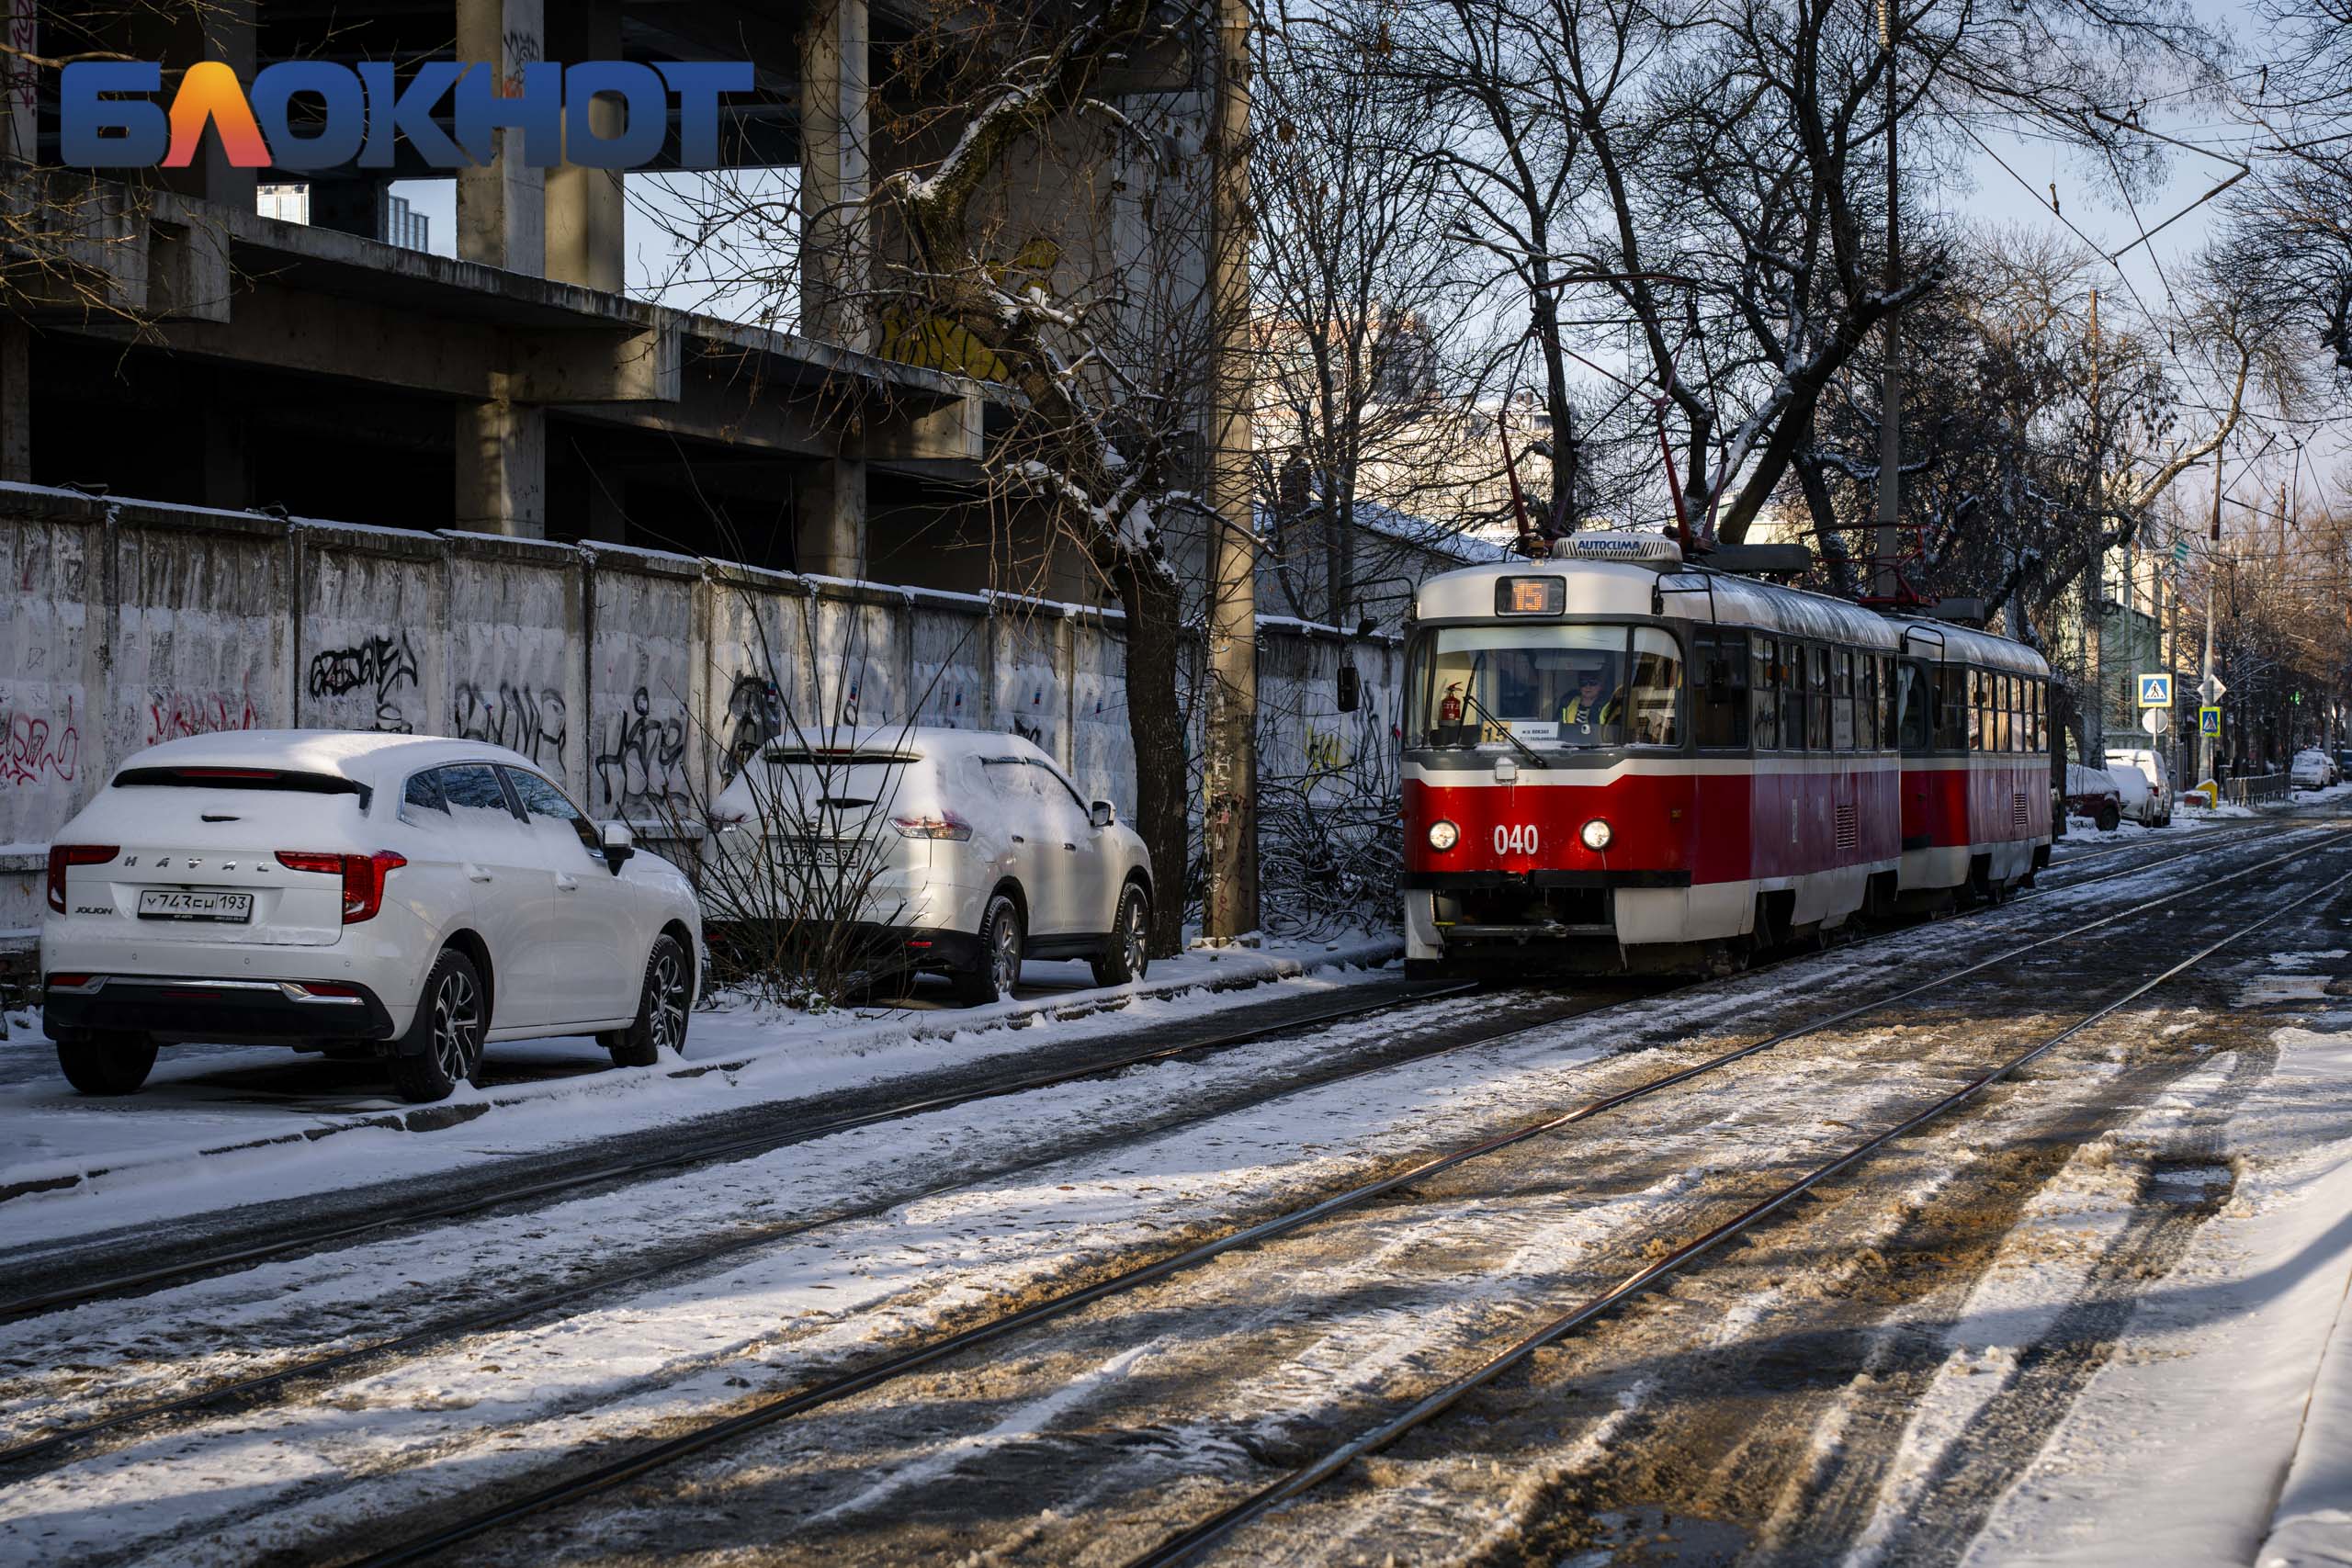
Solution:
(830, 854)
(171, 903)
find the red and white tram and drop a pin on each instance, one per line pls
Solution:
(1614, 761)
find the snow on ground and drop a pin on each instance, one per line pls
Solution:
(499, 1403)
(193, 1141)
(2233, 1376)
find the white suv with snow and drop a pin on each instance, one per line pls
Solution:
(945, 851)
(378, 894)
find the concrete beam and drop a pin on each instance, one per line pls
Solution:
(502, 205)
(587, 216)
(836, 177)
(502, 452)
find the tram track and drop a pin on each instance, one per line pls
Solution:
(280, 1383)
(769, 1412)
(1189, 1544)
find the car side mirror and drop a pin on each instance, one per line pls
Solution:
(1351, 693)
(619, 842)
(1101, 814)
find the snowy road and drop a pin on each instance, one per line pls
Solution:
(1896, 1369)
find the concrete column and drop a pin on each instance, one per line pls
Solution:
(348, 206)
(501, 206)
(19, 81)
(586, 212)
(222, 30)
(836, 175)
(227, 478)
(829, 510)
(15, 401)
(503, 469)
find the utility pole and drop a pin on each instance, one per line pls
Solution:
(2213, 594)
(1231, 772)
(2094, 715)
(1890, 397)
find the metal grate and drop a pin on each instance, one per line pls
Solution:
(1849, 831)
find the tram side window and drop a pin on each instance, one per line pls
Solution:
(1653, 699)
(1764, 692)
(1816, 691)
(1869, 704)
(1911, 730)
(2035, 696)
(1842, 699)
(1719, 687)
(1951, 708)
(2017, 712)
(1794, 687)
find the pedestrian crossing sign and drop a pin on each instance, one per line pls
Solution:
(2209, 721)
(2155, 691)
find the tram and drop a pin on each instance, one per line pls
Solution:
(1617, 761)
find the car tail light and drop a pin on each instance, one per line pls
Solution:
(63, 855)
(68, 982)
(363, 876)
(946, 825)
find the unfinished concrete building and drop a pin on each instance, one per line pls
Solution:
(240, 361)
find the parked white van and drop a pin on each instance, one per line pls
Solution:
(954, 851)
(2154, 809)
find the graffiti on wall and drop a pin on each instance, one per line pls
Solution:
(378, 665)
(639, 768)
(38, 746)
(171, 715)
(754, 717)
(535, 722)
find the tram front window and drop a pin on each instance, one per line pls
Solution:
(1545, 686)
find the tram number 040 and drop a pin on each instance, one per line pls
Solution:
(1515, 841)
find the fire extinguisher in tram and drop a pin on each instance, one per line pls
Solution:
(1450, 710)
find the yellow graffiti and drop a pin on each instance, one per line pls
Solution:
(1325, 752)
(934, 342)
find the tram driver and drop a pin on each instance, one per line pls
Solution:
(1597, 701)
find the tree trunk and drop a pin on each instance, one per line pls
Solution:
(1155, 724)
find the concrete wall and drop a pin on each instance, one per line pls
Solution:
(636, 677)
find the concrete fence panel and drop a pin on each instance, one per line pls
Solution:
(372, 654)
(641, 686)
(202, 633)
(516, 629)
(946, 661)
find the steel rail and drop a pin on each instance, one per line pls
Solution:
(711, 1154)
(240, 1392)
(1189, 1544)
(767, 1413)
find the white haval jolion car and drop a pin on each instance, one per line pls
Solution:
(377, 894)
(955, 852)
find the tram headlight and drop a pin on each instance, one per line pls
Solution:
(1597, 835)
(1443, 835)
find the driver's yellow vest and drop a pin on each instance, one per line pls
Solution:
(1601, 711)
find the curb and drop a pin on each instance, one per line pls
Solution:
(439, 1117)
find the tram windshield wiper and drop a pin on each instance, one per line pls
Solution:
(1470, 697)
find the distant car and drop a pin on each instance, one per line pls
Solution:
(2312, 769)
(2343, 762)
(2153, 806)
(389, 896)
(954, 851)
(2093, 793)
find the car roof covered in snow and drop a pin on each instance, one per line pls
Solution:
(360, 755)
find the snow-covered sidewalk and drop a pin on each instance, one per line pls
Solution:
(2218, 1426)
(197, 1138)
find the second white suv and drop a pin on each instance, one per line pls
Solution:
(948, 851)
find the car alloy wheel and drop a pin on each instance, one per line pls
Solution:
(1135, 936)
(1005, 956)
(669, 999)
(456, 1025)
